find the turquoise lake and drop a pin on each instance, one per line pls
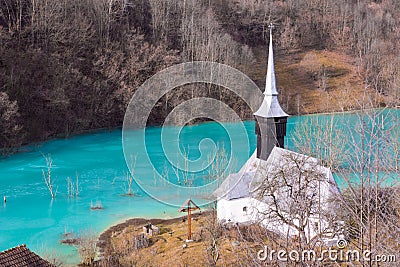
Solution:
(31, 217)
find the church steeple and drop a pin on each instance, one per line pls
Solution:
(270, 81)
(270, 118)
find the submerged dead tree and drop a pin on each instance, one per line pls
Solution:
(73, 188)
(130, 177)
(47, 178)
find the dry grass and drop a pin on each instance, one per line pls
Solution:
(314, 81)
(173, 250)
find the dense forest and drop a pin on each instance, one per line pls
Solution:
(67, 66)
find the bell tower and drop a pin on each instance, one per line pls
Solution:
(270, 118)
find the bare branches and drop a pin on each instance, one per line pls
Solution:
(47, 178)
(73, 189)
(212, 234)
(10, 130)
(320, 137)
(220, 163)
(364, 154)
(130, 177)
(204, 39)
(87, 247)
(295, 189)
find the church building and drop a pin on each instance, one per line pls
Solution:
(286, 192)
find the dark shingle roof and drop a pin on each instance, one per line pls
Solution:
(21, 256)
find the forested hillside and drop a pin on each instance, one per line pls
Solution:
(72, 65)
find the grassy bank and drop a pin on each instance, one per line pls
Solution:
(211, 243)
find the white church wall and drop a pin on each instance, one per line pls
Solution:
(235, 210)
(250, 210)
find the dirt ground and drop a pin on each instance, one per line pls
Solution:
(170, 248)
(314, 81)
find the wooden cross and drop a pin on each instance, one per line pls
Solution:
(188, 206)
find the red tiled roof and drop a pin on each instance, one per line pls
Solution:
(21, 256)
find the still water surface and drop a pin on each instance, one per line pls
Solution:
(31, 217)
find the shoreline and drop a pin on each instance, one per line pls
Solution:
(30, 146)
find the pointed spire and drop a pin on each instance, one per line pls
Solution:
(270, 107)
(270, 83)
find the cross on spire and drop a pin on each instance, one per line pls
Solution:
(271, 26)
(270, 86)
(270, 107)
(270, 118)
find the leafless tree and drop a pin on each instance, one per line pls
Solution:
(51, 256)
(362, 149)
(371, 179)
(293, 190)
(10, 130)
(73, 189)
(220, 163)
(204, 39)
(87, 247)
(212, 233)
(130, 177)
(47, 177)
(319, 137)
